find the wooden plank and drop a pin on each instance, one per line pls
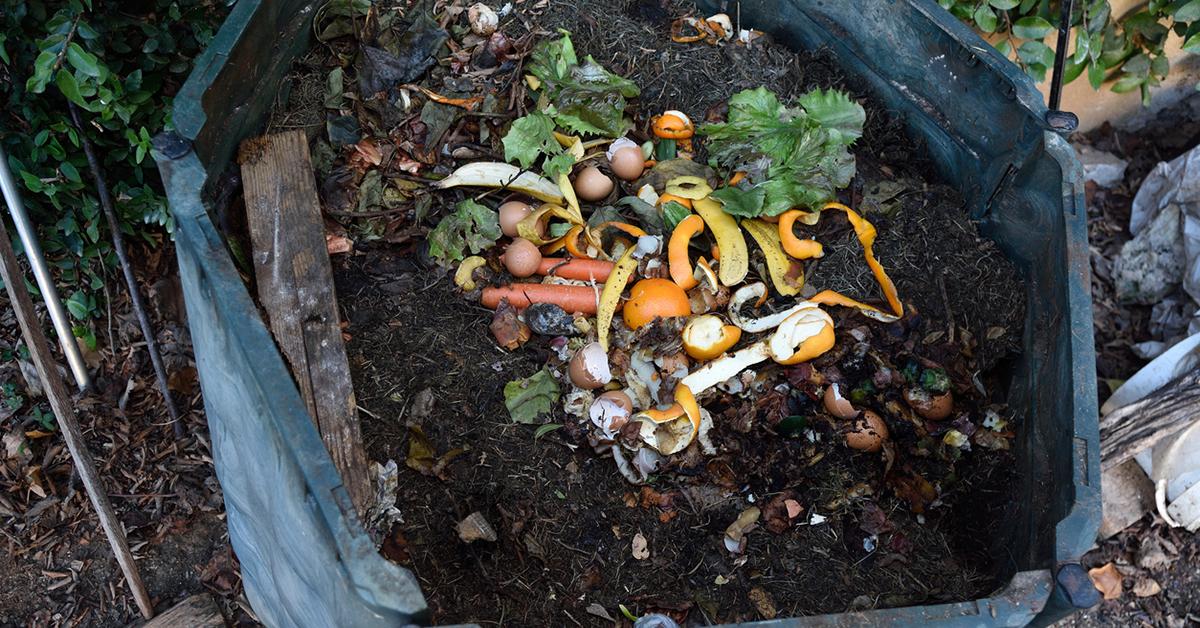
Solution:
(198, 611)
(64, 413)
(1128, 431)
(295, 286)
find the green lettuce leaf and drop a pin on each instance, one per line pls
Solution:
(582, 98)
(527, 398)
(471, 227)
(673, 213)
(529, 138)
(742, 202)
(793, 156)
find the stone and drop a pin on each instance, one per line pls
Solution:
(1105, 169)
(1151, 265)
(1126, 494)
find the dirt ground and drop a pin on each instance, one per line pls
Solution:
(56, 568)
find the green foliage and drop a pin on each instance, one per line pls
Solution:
(528, 398)
(1126, 50)
(792, 156)
(472, 227)
(121, 63)
(582, 98)
(532, 137)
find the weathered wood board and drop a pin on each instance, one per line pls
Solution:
(295, 286)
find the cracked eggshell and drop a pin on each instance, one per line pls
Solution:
(838, 405)
(589, 367)
(867, 432)
(483, 19)
(931, 407)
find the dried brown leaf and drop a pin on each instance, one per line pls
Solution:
(1107, 581)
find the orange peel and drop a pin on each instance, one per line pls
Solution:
(796, 247)
(665, 198)
(681, 269)
(673, 125)
(707, 336)
(866, 235)
(671, 430)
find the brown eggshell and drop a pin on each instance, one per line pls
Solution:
(589, 367)
(511, 213)
(836, 404)
(867, 433)
(618, 397)
(592, 185)
(931, 407)
(522, 258)
(627, 163)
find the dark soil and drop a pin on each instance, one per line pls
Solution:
(421, 356)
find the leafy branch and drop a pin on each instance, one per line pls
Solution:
(1126, 51)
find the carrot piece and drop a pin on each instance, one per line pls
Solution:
(575, 299)
(582, 269)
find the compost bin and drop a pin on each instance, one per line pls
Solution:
(305, 557)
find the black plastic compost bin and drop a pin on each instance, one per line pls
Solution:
(305, 558)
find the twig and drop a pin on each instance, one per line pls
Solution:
(64, 412)
(135, 295)
(62, 54)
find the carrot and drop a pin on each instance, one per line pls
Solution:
(582, 269)
(580, 299)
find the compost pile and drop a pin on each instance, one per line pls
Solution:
(659, 316)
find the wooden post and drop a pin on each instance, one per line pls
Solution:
(295, 287)
(64, 412)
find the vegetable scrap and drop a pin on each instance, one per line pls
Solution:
(674, 351)
(693, 294)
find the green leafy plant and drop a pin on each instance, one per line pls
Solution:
(120, 63)
(528, 398)
(584, 98)
(472, 227)
(1127, 50)
(792, 156)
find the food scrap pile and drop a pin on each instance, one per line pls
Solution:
(721, 340)
(597, 220)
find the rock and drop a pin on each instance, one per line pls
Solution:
(1105, 169)
(547, 319)
(1151, 265)
(422, 406)
(1127, 494)
(476, 528)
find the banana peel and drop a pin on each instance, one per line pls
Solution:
(494, 174)
(786, 274)
(613, 287)
(528, 226)
(735, 257)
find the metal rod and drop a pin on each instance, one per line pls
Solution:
(64, 412)
(135, 294)
(1060, 53)
(45, 282)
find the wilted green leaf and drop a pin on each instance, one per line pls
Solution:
(793, 156)
(527, 398)
(334, 89)
(673, 213)
(471, 227)
(529, 138)
(546, 429)
(744, 202)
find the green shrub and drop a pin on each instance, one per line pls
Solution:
(1127, 49)
(121, 62)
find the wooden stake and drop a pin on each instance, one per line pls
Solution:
(64, 412)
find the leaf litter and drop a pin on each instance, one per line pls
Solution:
(412, 332)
